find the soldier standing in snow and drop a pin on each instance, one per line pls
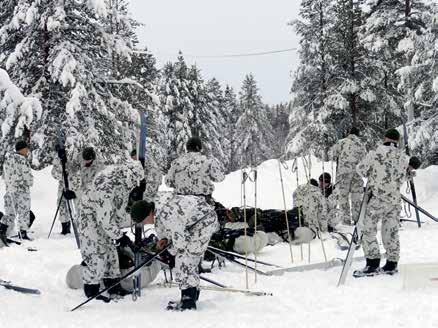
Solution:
(347, 153)
(188, 220)
(18, 180)
(309, 198)
(329, 204)
(386, 168)
(103, 213)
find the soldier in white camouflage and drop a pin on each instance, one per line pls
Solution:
(153, 177)
(74, 185)
(18, 180)
(188, 220)
(309, 198)
(386, 168)
(347, 153)
(103, 212)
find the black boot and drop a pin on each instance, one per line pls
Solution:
(65, 228)
(371, 269)
(189, 297)
(117, 290)
(93, 290)
(23, 235)
(390, 267)
(3, 237)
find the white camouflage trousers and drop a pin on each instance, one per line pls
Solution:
(389, 214)
(188, 222)
(98, 250)
(17, 205)
(349, 185)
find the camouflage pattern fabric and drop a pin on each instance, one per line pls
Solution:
(17, 205)
(389, 214)
(103, 212)
(153, 179)
(188, 222)
(310, 199)
(348, 152)
(18, 180)
(386, 170)
(193, 174)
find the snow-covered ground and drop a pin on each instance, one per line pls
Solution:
(307, 299)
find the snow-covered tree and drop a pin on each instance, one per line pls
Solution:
(232, 114)
(57, 54)
(253, 129)
(177, 105)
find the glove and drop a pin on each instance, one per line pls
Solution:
(124, 241)
(69, 194)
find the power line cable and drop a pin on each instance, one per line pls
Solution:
(253, 54)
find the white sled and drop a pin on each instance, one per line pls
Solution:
(419, 275)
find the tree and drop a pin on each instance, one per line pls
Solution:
(57, 54)
(253, 127)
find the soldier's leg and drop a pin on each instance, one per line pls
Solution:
(90, 249)
(112, 266)
(9, 215)
(390, 235)
(356, 194)
(22, 206)
(369, 229)
(343, 192)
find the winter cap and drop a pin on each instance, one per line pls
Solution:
(326, 177)
(194, 144)
(392, 134)
(141, 209)
(313, 182)
(88, 154)
(354, 131)
(415, 162)
(21, 144)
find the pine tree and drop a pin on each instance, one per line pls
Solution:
(253, 127)
(232, 114)
(177, 105)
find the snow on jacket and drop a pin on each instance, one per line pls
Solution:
(386, 170)
(193, 174)
(17, 173)
(109, 194)
(348, 152)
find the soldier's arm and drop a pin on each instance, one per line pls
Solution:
(216, 173)
(170, 177)
(334, 152)
(365, 164)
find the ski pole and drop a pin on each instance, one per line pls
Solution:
(56, 214)
(242, 257)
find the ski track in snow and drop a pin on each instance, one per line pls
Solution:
(309, 299)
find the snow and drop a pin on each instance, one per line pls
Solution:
(304, 299)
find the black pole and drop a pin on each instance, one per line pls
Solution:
(56, 214)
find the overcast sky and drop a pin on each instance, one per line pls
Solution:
(222, 27)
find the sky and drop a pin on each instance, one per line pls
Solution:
(222, 27)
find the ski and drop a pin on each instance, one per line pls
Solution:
(24, 290)
(355, 239)
(314, 266)
(219, 289)
(380, 272)
(239, 256)
(136, 280)
(233, 260)
(420, 209)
